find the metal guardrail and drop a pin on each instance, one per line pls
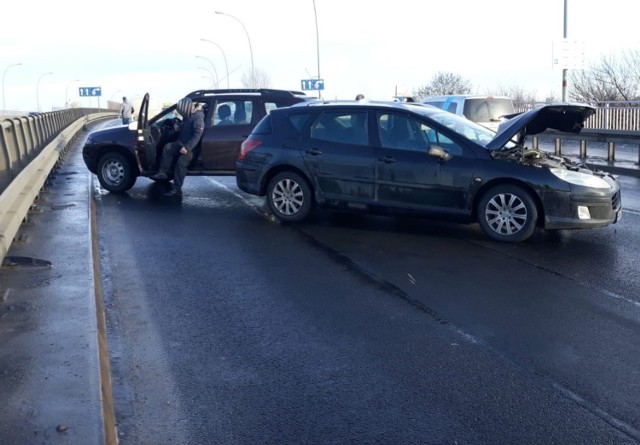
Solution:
(608, 137)
(22, 138)
(30, 147)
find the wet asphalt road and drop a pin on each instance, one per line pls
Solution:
(226, 327)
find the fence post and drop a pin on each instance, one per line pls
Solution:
(583, 149)
(558, 150)
(611, 151)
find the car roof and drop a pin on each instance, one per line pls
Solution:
(264, 92)
(410, 106)
(466, 96)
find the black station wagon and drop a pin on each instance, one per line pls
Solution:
(118, 155)
(414, 158)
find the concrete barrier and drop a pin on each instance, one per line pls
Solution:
(22, 189)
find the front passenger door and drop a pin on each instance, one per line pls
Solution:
(408, 177)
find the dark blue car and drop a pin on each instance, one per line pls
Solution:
(394, 158)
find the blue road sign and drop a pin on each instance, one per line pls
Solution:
(312, 84)
(90, 91)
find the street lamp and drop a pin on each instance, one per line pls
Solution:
(564, 70)
(38, 89)
(4, 74)
(210, 77)
(212, 66)
(317, 44)
(223, 55)
(66, 93)
(246, 32)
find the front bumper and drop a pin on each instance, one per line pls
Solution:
(561, 209)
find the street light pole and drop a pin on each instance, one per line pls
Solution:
(315, 13)
(246, 32)
(4, 74)
(210, 77)
(224, 56)
(564, 70)
(38, 89)
(212, 66)
(66, 93)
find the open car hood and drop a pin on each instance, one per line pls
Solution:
(562, 117)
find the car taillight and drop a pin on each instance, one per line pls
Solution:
(247, 146)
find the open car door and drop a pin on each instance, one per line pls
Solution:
(144, 145)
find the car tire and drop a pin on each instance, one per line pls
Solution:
(289, 197)
(115, 173)
(507, 213)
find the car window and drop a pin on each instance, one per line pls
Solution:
(402, 132)
(236, 112)
(406, 133)
(487, 109)
(346, 127)
(299, 120)
(269, 106)
(464, 127)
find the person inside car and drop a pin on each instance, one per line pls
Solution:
(224, 114)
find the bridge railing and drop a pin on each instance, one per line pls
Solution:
(22, 138)
(30, 147)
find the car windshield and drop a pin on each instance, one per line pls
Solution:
(464, 127)
(487, 109)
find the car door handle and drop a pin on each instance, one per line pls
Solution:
(314, 152)
(387, 159)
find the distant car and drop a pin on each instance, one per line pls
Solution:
(118, 155)
(488, 111)
(412, 158)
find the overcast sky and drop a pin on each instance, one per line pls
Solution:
(376, 48)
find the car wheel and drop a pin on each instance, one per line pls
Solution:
(507, 213)
(289, 197)
(115, 173)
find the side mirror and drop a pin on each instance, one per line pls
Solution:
(439, 153)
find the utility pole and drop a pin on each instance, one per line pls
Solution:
(564, 70)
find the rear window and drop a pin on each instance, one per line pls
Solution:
(487, 109)
(449, 106)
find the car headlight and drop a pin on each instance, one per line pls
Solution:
(578, 178)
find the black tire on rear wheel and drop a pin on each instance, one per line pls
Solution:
(289, 197)
(115, 172)
(507, 213)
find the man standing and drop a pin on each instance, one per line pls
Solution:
(182, 149)
(126, 111)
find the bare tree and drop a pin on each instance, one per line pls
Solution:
(612, 78)
(632, 59)
(256, 78)
(442, 84)
(517, 93)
